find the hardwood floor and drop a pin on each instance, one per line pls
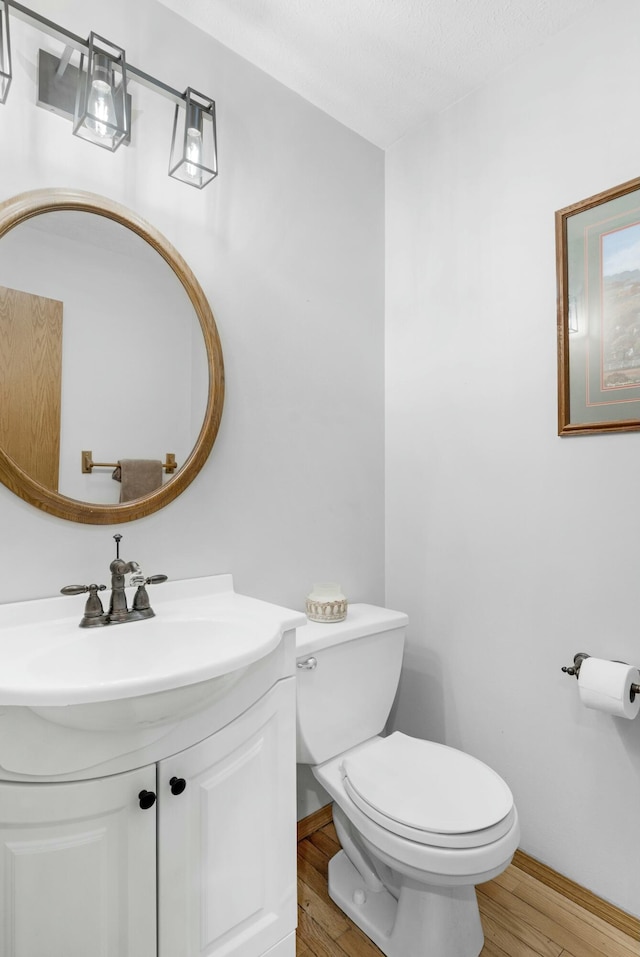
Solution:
(521, 916)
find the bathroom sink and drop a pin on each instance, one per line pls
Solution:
(68, 665)
(140, 673)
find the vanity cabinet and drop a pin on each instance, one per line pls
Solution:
(77, 875)
(227, 842)
(86, 869)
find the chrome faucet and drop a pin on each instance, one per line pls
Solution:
(94, 614)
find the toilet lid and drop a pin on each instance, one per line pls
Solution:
(425, 786)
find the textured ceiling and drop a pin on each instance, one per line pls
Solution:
(382, 66)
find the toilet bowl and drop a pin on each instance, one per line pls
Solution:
(420, 823)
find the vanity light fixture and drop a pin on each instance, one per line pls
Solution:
(95, 96)
(193, 157)
(5, 52)
(101, 114)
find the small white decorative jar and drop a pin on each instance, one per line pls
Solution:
(326, 602)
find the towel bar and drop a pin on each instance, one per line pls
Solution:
(169, 465)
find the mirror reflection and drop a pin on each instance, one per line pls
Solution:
(100, 350)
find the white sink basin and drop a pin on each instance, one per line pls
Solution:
(140, 673)
(71, 665)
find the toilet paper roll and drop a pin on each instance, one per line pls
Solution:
(606, 686)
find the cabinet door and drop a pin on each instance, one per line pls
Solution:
(77, 868)
(226, 843)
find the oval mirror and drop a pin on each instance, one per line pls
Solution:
(109, 354)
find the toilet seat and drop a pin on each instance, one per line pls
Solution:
(427, 792)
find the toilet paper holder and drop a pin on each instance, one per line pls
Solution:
(574, 669)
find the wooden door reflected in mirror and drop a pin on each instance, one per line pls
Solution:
(30, 383)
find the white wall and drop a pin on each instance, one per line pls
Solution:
(510, 548)
(288, 246)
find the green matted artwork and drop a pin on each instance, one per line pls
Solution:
(598, 275)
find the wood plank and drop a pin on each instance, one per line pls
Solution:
(499, 935)
(301, 948)
(355, 944)
(509, 878)
(313, 822)
(580, 895)
(330, 831)
(309, 852)
(548, 898)
(322, 910)
(576, 921)
(492, 950)
(324, 843)
(548, 926)
(566, 953)
(497, 916)
(308, 873)
(315, 938)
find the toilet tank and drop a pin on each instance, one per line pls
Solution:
(346, 697)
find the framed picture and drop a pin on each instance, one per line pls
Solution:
(598, 274)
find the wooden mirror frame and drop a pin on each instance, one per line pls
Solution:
(17, 210)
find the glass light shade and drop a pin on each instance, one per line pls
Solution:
(100, 112)
(194, 158)
(5, 52)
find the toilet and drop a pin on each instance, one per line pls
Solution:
(420, 823)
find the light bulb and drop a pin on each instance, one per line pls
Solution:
(193, 153)
(102, 119)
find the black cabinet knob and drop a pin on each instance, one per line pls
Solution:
(177, 785)
(147, 799)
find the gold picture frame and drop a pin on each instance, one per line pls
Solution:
(598, 283)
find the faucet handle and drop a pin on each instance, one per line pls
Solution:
(141, 606)
(138, 577)
(93, 610)
(80, 589)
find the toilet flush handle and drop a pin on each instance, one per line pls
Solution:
(308, 664)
